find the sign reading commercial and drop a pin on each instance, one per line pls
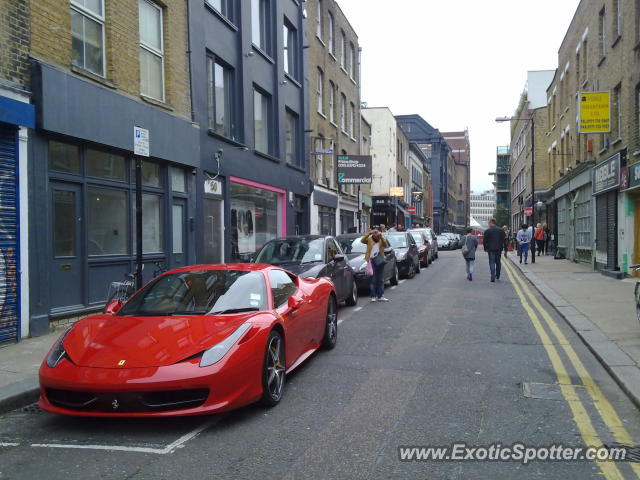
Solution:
(355, 169)
(606, 175)
(595, 112)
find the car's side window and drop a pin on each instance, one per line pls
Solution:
(282, 287)
(411, 240)
(332, 250)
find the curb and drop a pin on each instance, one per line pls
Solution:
(19, 394)
(615, 361)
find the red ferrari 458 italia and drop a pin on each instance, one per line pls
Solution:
(200, 339)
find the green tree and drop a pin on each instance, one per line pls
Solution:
(501, 215)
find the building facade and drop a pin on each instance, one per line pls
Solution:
(17, 116)
(439, 157)
(99, 70)
(461, 158)
(596, 204)
(502, 185)
(248, 74)
(483, 206)
(334, 115)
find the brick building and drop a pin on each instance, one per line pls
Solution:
(461, 153)
(99, 69)
(333, 59)
(17, 116)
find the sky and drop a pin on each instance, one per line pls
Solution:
(457, 63)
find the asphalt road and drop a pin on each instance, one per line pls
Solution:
(445, 361)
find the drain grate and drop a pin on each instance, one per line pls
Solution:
(33, 408)
(632, 451)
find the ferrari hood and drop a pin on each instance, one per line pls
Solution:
(107, 341)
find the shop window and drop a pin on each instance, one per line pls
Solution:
(64, 158)
(64, 230)
(152, 224)
(151, 174)
(254, 219)
(107, 221)
(106, 166)
(87, 35)
(178, 180)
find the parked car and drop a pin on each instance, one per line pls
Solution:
(354, 249)
(454, 238)
(444, 242)
(313, 256)
(424, 247)
(431, 236)
(406, 252)
(195, 340)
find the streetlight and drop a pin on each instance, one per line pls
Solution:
(533, 163)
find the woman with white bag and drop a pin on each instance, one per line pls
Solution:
(375, 259)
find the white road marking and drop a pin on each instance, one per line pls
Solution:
(340, 321)
(123, 448)
(357, 309)
(9, 444)
(393, 288)
(402, 281)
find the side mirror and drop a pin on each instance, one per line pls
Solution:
(294, 302)
(338, 257)
(113, 307)
(388, 250)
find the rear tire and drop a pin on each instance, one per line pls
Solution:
(331, 327)
(273, 370)
(394, 279)
(352, 299)
(418, 267)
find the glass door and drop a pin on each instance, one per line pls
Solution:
(213, 233)
(179, 228)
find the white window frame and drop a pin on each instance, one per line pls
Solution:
(332, 102)
(320, 91)
(332, 34)
(343, 112)
(343, 50)
(101, 20)
(153, 50)
(319, 29)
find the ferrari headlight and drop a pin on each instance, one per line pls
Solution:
(218, 351)
(57, 352)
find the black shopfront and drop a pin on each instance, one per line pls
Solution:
(82, 224)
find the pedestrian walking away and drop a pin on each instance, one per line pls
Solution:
(493, 242)
(523, 240)
(376, 244)
(469, 244)
(539, 236)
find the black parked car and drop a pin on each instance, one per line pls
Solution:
(406, 252)
(313, 256)
(354, 249)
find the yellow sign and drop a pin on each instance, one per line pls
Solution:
(595, 112)
(396, 192)
(121, 363)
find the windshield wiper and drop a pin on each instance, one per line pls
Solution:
(235, 310)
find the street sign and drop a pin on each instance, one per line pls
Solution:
(355, 169)
(528, 211)
(606, 175)
(595, 112)
(396, 192)
(140, 141)
(411, 210)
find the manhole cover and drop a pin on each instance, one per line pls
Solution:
(544, 391)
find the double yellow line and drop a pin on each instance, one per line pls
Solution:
(608, 414)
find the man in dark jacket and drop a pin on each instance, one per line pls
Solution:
(493, 244)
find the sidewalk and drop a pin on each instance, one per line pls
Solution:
(19, 364)
(600, 309)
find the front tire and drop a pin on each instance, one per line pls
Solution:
(352, 299)
(418, 267)
(273, 371)
(331, 327)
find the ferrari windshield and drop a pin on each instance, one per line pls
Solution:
(200, 292)
(352, 245)
(397, 240)
(292, 250)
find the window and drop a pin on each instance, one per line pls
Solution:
(106, 166)
(282, 287)
(219, 96)
(64, 158)
(343, 112)
(319, 28)
(87, 35)
(332, 101)
(317, 147)
(151, 175)
(351, 60)
(320, 92)
(64, 224)
(152, 224)
(332, 41)
(352, 114)
(343, 51)
(584, 60)
(151, 50)
(291, 139)
(225, 7)
(617, 18)
(261, 116)
(290, 39)
(602, 34)
(178, 180)
(260, 24)
(616, 114)
(637, 118)
(354, 63)
(107, 221)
